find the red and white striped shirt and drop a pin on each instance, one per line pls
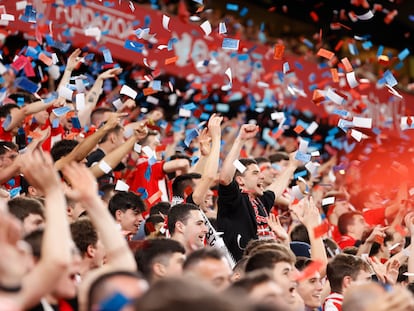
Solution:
(333, 302)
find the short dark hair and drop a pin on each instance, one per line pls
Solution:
(155, 250)
(180, 212)
(269, 258)
(114, 130)
(21, 207)
(260, 160)
(346, 220)
(299, 233)
(252, 279)
(62, 148)
(246, 162)
(83, 234)
(7, 146)
(343, 265)
(124, 201)
(160, 208)
(182, 181)
(34, 239)
(98, 289)
(5, 109)
(202, 254)
(279, 156)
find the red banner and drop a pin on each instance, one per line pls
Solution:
(183, 49)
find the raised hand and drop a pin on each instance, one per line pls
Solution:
(213, 125)
(83, 184)
(204, 139)
(73, 59)
(37, 167)
(110, 73)
(277, 228)
(248, 131)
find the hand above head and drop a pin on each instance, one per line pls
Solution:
(204, 139)
(73, 59)
(141, 131)
(110, 73)
(248, 131)
(83, 184)
(113, 120)
(214, 125)
(37, 167)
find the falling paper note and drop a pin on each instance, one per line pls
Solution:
(206, 26)
(222, 28)
(165, 22)
(126, 90)
(230, 44)
(229, 85)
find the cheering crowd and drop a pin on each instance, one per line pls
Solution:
(109, 202)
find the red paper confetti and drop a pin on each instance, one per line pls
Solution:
(171, 60)
(325, 54)
(149, 91)
(314, 16)
(155, 197)
(298, 129)
(279, 50)
(310, 271)
(335, 77)
(321, 230)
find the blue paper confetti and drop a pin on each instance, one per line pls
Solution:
(232, 7)
(308, 43)
(116, 302)
(230, 44)
(134, 46)
(68, 3)
(190, 106)
(76, 123)
(380, 50)
(27, 85)
(244, 11)
(300, 174)
(403, 54)
(367, 45)
(224, 108)
(390, 79)
(55, 123)
(171, 42)
(61, 111)
(107, 56)
(15, 192)
(303, 157)
(190, 135)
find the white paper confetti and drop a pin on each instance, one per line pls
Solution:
(239, 166)
(362, 122)
(206, 26)
(165, 22)
(126, 90)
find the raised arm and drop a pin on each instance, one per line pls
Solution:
(282, 181)
(113, 158)
(73, 61)
(86, 146)
(84, 189)
(93, 94)
(247, 131)
(38, 169)
(212, 161)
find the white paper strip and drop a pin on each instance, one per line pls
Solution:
(362, 122)
(126, 90)
(239, 166)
